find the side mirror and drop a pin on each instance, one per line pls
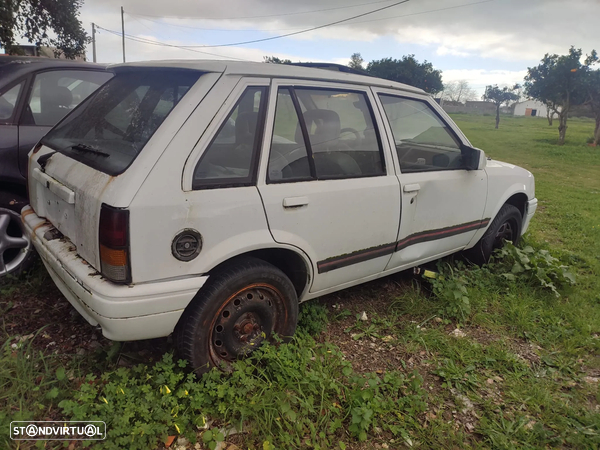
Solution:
(473, 158)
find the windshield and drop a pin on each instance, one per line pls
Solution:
(111, 127)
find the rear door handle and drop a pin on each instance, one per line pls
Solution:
(411, 187)
(295, 202)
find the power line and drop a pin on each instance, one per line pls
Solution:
(268, 15)
(296, 28)
(214, 29)
(193, 47)
(163, 44)
(425, 12)
(231, 44)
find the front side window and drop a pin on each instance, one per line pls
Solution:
(335, 135)
(109, 129)
(231, 158)
(423, 141)
(56, 93)
(8, 102)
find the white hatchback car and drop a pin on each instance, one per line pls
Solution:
(209, 198)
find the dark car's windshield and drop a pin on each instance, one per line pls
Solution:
(110, 128)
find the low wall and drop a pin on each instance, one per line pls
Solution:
(466, 110)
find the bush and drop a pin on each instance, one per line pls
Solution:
(297, 395)
(450, 288)
(312, 318)
(534, 266)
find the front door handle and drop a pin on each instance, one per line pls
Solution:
(295, 202)
(411, 187)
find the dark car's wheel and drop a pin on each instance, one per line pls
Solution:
(506, 226)
(236, 310)
(16, 252)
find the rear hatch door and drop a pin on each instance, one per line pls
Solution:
(81, 160)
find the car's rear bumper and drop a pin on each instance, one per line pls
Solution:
(125, 313)
(530, 211)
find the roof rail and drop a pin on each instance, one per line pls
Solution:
(330, 66)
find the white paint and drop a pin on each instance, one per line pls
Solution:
(317, 220)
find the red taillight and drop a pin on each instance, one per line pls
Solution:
(114, 244)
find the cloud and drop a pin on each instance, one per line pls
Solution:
(505, 29)
(444, 50)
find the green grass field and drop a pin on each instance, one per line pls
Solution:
(475, 358)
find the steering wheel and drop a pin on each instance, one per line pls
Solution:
(357, 141)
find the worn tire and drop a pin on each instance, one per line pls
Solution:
(240, 306)
(14, 261)
(506, 226)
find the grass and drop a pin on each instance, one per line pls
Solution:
(505, 363)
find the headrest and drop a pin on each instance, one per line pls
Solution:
(323, 126)
(59, 96)
(245, 127)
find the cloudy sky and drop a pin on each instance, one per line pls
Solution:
(482, 41)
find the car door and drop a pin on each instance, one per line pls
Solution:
(442, 202)
(52, 95)
(327, 184)
(10, 97)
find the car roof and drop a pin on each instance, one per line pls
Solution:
(260, 69)
(12, 67)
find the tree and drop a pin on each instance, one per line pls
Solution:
(53, 23)
(551, 109)
(409, 71)
(500, 96)
(559, 82)
(458, 91)
(276, 60)
(592, 87)
(356, 61)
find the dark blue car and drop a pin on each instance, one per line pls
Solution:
(35, 94)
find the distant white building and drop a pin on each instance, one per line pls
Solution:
(531, 108)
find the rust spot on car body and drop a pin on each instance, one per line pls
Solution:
(44, 223)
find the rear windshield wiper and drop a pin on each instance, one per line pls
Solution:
(89, 149)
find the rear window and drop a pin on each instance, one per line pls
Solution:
(110, 128)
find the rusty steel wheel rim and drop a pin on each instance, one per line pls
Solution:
(245, 320)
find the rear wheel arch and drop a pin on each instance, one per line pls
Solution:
(291, 263)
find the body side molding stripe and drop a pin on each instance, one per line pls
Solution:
(356, 257)
(359, 256)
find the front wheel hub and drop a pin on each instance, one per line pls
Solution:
(504, 233)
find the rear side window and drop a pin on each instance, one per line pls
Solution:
(112, 126)
(55, 93)
(231, 158)
(323, 134)
(342, 133)
(8, 102)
